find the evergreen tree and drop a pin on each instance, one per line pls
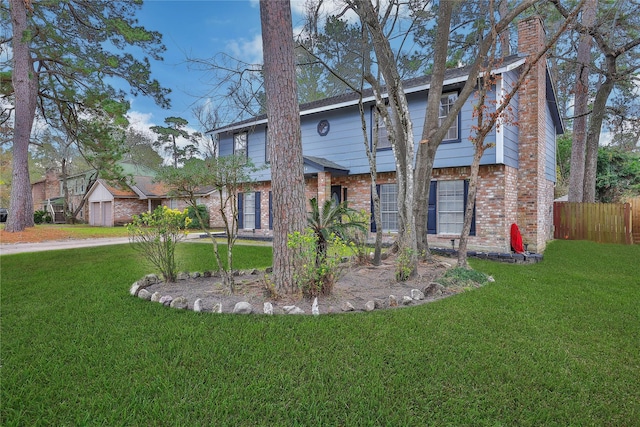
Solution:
(65, 52)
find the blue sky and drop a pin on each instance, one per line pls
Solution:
(202, 29)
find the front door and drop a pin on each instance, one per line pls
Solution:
(336, 194)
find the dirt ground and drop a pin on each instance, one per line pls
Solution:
(34, 235)
(356, 285)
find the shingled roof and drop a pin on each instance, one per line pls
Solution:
(452, 76)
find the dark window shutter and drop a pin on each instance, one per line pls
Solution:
(344, 194)
(472, 232)
(270, 211)
(258, 210)
(240, 212)
(432, 211)
(373, 218)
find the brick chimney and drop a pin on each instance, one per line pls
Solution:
(535, 191)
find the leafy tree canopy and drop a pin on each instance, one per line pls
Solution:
(79, 47)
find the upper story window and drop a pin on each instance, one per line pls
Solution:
(240, 144)
(446, 102)
(383, 134)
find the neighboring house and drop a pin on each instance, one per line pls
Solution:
(517, 176)
(114, 204)
(48, 193)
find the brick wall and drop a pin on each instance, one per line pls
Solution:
(124, 209)
(535, 193)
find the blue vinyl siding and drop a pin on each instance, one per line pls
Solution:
(550, 148)
(344, 144)
(511, 131)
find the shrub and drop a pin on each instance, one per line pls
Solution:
(404, 265)
(156, 234)
(463, 278)
(203, 213)
(317, 276)
(40, 217)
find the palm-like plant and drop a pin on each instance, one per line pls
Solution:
(333, 219)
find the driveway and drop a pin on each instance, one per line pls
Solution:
(16, 248)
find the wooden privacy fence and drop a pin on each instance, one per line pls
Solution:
(635, 219)
(598, 222)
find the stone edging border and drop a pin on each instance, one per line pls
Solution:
(138, 289)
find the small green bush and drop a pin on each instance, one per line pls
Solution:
(42, 217)
(318, 274)
(156, 234)
(463, 278)
(203, 212)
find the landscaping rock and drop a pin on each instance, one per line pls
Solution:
(133, 290)
(417, 294)
(243, 307)
(197, 305)
(406, 300)
(144, 294)
(182, 275)
(314, 307)
(347, 306)
(268, 308)
(393, 301)
(217, 308)
(292, 309)
(268, 270)
(433, 289)
(149, 279)
(369, 306)
(195, 275)
(165, 300)
(380, 304)
(180, 303)
(490, 279)
(156, 297)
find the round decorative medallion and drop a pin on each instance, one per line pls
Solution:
(323, 127)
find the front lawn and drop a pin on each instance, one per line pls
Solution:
(45, 232)
(556, 343)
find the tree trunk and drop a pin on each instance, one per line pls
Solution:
(593, 136)
(284, 138)
(581, 107)
(428, 147)
(400, 136)
(471, 202)
(505, 36)
(25, 85)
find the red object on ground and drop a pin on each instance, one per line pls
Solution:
(516, 240)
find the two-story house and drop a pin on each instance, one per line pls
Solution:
(517, 175)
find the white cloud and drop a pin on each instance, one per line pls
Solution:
(247, 50)
(141, 121)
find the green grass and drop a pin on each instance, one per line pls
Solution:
(556, 343)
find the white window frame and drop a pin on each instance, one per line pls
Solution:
(446, 102)
(241, 144)
(249, 210)
(450, 207)
(389, 207)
